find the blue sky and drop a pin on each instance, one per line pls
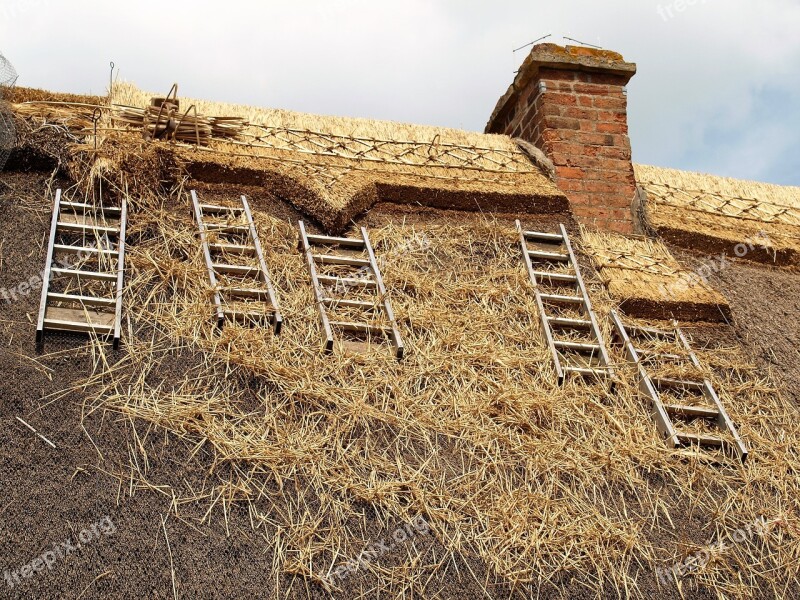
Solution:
(718, 88)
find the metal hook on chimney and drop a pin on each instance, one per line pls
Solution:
(534, 42)
(582, 43)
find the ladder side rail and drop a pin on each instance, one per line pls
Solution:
(48, 266)
(387, 307)
(319, 295)
(659, 413)
(278, 318)
(724, 421)
(198, 213)
(123, 224)
(546, 329)
(587, 303)
(684, 342)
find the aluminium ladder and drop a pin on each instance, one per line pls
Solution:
(84, 271)
(568, 321)
(632, 339)
(229, 238)
(366, 279)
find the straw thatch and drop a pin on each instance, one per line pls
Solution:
(539, 485)
(757, 221)
(643, 276)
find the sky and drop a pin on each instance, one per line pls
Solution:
(717, 88)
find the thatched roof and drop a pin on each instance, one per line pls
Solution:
(534, 489)
(759, 221)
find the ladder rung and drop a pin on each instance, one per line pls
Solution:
(90, 207)
(651, 331)
(360, 327)
(544, 237)
(577, 347)
(83, 227)
(555, 256)
(250, 314)
(700, 439)
(233, 249)
(84, 300)
(660, 355)
(241, 270)
(83, 250)
(213, 209)
(246, 293)
(348, 281)
(703, 412)
(95, 275)
(586, 371)
(573, 323)
(325, 240)
(666, 382)
(223, 228)
(558, 299)
(78, 319)
(59, 325)
(556, 276)
(334, 303)
(329, 259)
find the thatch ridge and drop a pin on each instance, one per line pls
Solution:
(721, 214)
(345, 165)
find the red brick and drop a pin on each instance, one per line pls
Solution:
(625, 227)
(564, 99)
(572, 173)
(612, 128)
(606, 79)
(550, 110)
(610, 174)
(611, 103)
(579, 113)
(583, 210)
(619, 153)
(570, 185)
(605, 187)
(560, 86)
(546, 75)
(562, 123)
(567, 147)
(597, 139)
(553, 135)
(609, 116)
(594, 89)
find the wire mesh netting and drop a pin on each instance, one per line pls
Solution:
(8, 134)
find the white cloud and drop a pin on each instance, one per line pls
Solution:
(429, 61)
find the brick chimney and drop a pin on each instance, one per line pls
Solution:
(571, 103)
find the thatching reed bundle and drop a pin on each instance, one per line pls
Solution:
(643, 276)
(185, 127)
(75, 116)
